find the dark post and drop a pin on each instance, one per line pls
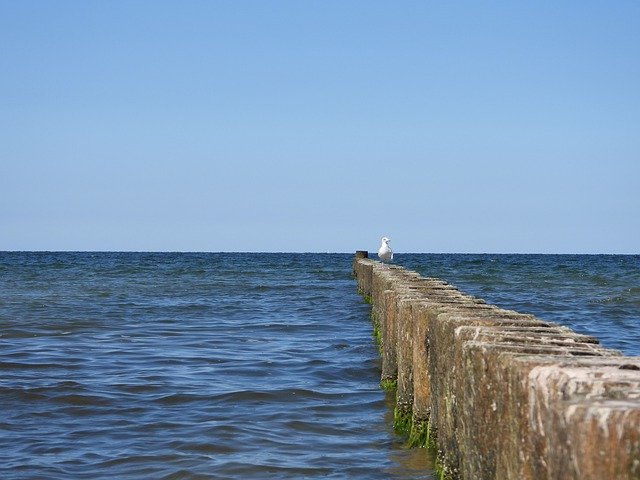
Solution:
(359, 254)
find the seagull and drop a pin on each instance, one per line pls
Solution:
(385, 253)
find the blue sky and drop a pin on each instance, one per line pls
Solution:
(493, 126)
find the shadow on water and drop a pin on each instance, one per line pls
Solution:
(415, 463)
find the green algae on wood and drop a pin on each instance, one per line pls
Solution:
(419, 436)
(402, 419)
(389, 384)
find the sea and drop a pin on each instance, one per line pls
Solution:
(240, 365)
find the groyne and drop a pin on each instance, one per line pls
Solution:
(502, 395)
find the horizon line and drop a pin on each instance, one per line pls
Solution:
(310, 252)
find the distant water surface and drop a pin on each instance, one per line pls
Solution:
(163, 365)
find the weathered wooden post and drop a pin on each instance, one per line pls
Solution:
(359, 254)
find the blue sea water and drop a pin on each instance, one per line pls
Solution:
(163, 365)
(187, 365)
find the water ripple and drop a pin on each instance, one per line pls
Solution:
(126, 365)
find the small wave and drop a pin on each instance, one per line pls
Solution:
(183, 474)
(630, 295)
(287, 395)
(22, 394)
(83, 400)
(607, 300)
(265, 469)
(135, 459)
(181, 399)
(206, 448)
(11, 366)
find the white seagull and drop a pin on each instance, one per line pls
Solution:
(385, 253)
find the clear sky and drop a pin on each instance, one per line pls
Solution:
(462, 126)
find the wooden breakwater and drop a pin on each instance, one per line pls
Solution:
(501, 394)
